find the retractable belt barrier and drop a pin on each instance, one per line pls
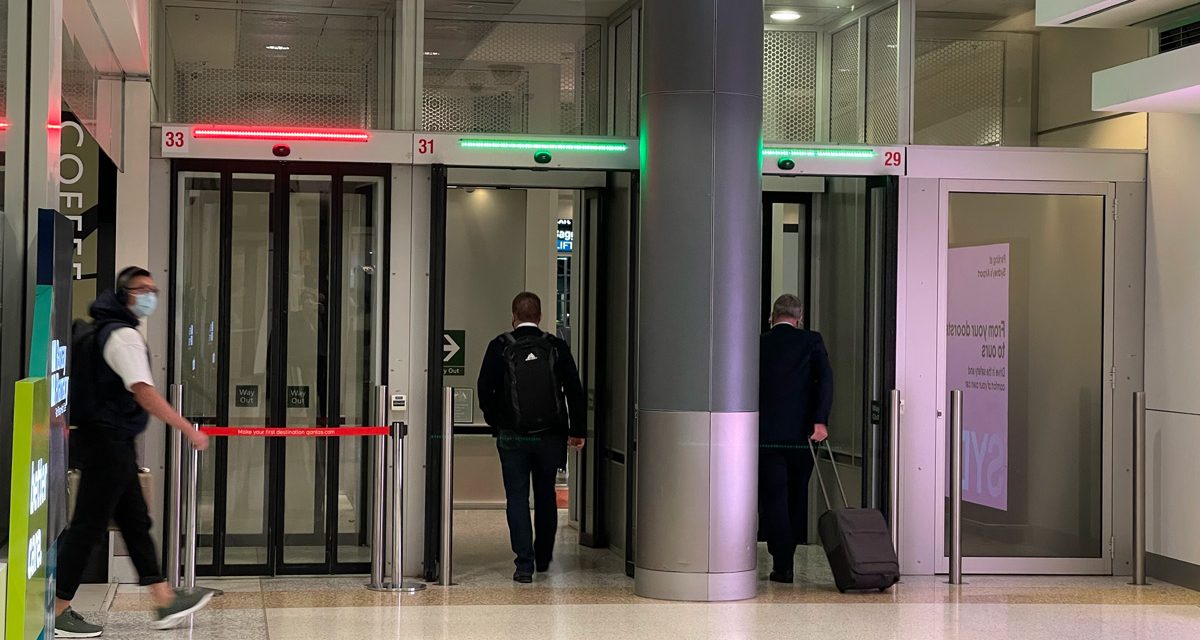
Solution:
(388, 493)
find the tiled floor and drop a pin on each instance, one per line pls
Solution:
(586, 595)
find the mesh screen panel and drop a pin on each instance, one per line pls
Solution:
(882, 74)
(960, 92)
(78, 81)
(328, 77)
(844, 123)
(790, 86)
(507, 77)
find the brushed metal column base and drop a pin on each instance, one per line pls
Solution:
(695, 587)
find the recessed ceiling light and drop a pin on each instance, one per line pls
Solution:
(279, 47)
(432, 53)
(785, 15)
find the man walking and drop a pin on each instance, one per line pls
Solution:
(122, 400)
(795, 397)
(531, 396)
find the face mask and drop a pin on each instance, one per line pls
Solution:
(144, 305)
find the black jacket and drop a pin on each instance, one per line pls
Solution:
(493, 386)
(795, 385)
(117, 411)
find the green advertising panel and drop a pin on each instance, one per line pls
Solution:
(29, 537)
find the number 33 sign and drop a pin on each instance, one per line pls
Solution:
(175, 140)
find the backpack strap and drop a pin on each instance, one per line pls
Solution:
(509, 338)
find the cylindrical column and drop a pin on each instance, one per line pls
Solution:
(1139, 488)
(956, 398)
(446, 574)
(701, 190)
(175, 492)
(193, 488)
(399, 435)
(894, 468)
(379, 496)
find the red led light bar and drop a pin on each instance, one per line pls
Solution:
(214, 132)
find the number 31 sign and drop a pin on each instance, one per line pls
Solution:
(175, 140)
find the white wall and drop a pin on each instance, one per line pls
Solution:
(1172, 338)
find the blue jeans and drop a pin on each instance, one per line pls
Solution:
(539, 458)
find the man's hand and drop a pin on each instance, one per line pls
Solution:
(576, 443)
(198, 438)
(820, 433)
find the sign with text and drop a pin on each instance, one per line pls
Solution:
(29, 537)
(88, 198)
(454, 348)
(246, 395)
(566, 235)
(297, 397)
(977, 330)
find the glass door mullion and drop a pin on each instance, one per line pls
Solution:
(277, 405)
(332, 237)
(221, 502)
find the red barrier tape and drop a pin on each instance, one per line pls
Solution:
(296, 432)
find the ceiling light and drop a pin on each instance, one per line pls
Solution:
(785, 15)
(278, 47)
(432, 53)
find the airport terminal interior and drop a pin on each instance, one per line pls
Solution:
(985, 209)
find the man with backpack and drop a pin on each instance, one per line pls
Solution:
(531, 396)
(112, 398)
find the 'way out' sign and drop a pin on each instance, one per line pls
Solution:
(454, 348)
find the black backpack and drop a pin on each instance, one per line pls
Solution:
(85, 371)
(533, 389)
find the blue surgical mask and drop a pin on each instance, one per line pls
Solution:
(144, 305)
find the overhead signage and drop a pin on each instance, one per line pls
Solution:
(88, 198)
(454, 348)
(176, 141)
(566, 235)
(833, 160)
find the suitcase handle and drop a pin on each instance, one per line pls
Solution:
(812, 448)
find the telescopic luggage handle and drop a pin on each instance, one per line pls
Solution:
(812, 448)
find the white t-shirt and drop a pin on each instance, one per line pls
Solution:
(126, 353)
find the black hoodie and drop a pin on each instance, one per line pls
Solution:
(117, 411)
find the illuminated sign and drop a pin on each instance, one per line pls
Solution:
(566, 235)
(544, 145)
(29, 538)
(202, 132)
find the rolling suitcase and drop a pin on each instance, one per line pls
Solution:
(856, 541)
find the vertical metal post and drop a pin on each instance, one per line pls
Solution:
(1139, 488)
(399, 434)
(175, 492)
(956, 399)
(193, 488)
(379, 494)
(894, 468)
(447, 547)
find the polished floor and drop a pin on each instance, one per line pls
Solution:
(586, 595)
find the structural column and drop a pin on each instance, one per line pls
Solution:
(701, 109)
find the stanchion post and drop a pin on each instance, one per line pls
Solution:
(380, 503)
(894, 468)
(447, 547)
(193, 488)
(399, 435)
(1139, 488)
(956, 408)
(175, 492)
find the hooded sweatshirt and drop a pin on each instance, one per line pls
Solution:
(117, 411)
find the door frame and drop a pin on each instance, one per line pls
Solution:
(1027, 565)
(279, 215)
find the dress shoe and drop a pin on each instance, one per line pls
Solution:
(785, 577)
(522, 577)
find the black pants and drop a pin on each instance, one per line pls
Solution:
(539, 458)
(108, 490)
(783, 474)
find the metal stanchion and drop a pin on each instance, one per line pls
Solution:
(399, 434)
(956, 487)
(175, 492)
(447, 547)
(389, 506)
(193, 488)
(377, 530)
(894, 468)
(1139, 488)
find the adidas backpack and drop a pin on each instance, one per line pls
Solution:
(533, 389)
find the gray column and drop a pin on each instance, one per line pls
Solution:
(700, 299)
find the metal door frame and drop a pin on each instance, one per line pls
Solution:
(1026, 565)
(275, 448)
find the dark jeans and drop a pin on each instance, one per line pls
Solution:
(539, 458)
(783, 474)
(108, 490)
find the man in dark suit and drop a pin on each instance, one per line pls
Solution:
(531, 396)
(795, 397)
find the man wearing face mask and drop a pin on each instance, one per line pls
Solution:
(124, 400)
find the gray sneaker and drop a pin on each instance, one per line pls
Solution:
(69, 624)
(185, 604)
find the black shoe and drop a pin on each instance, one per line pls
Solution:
(543, 567)
(522, 577)
(785, 577)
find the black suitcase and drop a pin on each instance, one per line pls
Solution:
(856, 541)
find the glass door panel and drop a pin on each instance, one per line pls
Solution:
(243, 462)
(307, 395)
(1025, 302)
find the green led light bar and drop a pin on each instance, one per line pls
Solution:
(853, 154)
(528, 145)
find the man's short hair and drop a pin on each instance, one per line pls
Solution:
(527, 307)
(125, 281)
(788, 306)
